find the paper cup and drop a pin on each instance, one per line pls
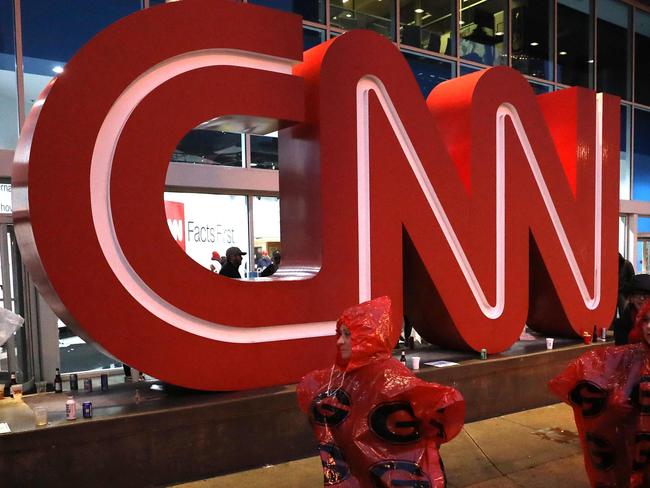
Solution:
(549, 343)
(587, 338)
(416, 362)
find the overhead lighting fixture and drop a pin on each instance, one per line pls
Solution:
(591, 61)
(348, 15)
(346, 1)
(562, 53)
(419, 11)
(534, 43)
(499, 33)
(58, 69)
(461, 22)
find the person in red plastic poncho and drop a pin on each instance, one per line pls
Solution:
(609, 390)
(376, 424)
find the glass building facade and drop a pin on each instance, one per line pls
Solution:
(598, 44)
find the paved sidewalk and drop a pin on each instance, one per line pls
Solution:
(535, 448)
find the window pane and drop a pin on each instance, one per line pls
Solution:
(613, 47)
(8, 92)
(482, 32)
(624, 192)
(207, 146)
(642, 54)
(466, 69)
(266, 222)
(427, 24)
(264, 151)
(575, 58)
(429, 72)
(540, 88)
(641, 189)
(313, 10)
(312, 37)
(378, 16)
(532, 46)
(54, 31)
(202, 224)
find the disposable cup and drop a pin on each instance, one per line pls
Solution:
(40, 415)
(416, 362)
(587, 338)
(17, 391)
(549, 343)
(41, 386)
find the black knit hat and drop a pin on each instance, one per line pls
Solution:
(638, 284)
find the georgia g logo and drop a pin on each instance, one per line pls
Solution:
(589, 397)
(335, 468)
(331, 408)
(395, 422)
(398, 473)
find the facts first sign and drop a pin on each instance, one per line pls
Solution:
(476, 210)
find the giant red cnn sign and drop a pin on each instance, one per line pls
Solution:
(477, 210)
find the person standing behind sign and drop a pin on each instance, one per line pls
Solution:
(637, 292)
(215, 257)
(273, 267)
(233, 261)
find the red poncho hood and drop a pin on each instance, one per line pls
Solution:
(372, 332)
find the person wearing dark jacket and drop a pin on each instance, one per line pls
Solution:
(637, 291)
(233, 261)
(273, 267)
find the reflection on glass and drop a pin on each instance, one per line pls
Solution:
(8, 90)
(642, 264)
(202, 224)
(312, 37)
(540, 88)
(264, 151)
(575, 60)
(428, 24)
(54, 31)
(625, 152)
(375, 15)
(77, 355)
(641, 188)
(642, 55)
(313, 10)
(266, 225)
(429, 72)
(467, 69)
(532, 47)
(613, 48)
(482, 29)
(208, 146)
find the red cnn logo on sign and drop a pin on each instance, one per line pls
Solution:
(477, 210)
(175, 213)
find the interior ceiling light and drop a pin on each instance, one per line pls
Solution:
(348, 15)
(58, 69)
(346, 1)
(562, 53)
(534, 43)
(419, 11)
(498, 33)
(591, 61)
(461, 22)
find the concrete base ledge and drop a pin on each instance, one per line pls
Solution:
(168, 439)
